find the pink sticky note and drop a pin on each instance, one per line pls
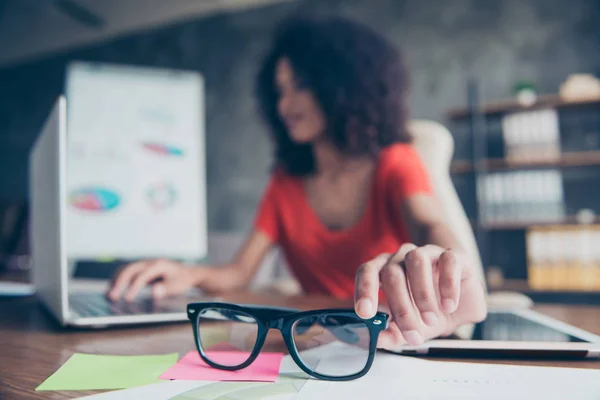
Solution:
(191, 367)
(224, 347)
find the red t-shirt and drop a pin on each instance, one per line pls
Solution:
(325, 261)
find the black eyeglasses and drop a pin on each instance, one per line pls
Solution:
(351, 342)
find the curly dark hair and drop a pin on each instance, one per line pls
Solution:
(355, 74)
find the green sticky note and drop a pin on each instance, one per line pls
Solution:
(95, 372)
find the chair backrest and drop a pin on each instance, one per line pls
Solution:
(436, 147)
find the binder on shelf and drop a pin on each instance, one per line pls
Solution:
(531, 136)
(563, 258)
(521, 197)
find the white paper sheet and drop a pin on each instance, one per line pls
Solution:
(156, 391)
(396, 377)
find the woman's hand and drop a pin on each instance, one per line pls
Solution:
(430, 292)
(167, 278)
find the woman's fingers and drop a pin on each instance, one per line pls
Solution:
(451, 269)
(366, 292)
(390, 338)
(419, 270)
(124, 278)
(403, 311)
(145, 277)
(403, 251)
(417, 297)
(422, 288)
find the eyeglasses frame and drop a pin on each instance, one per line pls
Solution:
(283, 319)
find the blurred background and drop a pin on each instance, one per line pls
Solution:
(514, 81)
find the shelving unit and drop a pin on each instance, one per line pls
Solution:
(512, 105)
(480, 151)
(521, 225)
(567, 160)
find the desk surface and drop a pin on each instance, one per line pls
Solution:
(33, 346)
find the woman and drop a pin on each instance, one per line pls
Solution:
(349, 201)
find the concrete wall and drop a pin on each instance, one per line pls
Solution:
(445, 43)
(25, 22)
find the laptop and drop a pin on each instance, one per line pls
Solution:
(75, 303)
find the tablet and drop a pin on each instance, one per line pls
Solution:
(519, 333)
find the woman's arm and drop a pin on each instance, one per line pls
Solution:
(431, 286)
(169, 278)
(424, 220)
(237, 274)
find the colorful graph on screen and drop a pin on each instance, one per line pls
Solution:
(94, 199)
(161, 196)
(163, 149)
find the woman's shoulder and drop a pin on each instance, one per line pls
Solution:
(279, 174)
(398, 156)
(401, 167)
(280, 180)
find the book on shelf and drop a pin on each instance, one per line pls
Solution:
(531, 136)
(563, 257)
(521, 197)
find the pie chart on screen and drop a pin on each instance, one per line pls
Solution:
(161, 196)
(163, 149)
(94, 199)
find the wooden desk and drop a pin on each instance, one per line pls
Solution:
(33, 346)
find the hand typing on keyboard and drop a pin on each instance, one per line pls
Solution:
(170, 278)
(166, 278)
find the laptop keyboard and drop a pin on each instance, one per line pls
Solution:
(97, 305)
